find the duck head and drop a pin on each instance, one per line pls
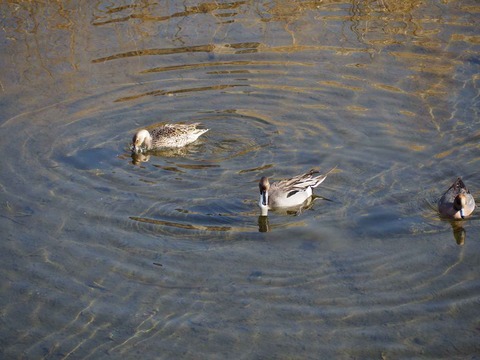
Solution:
(141, 139)
(264, 186)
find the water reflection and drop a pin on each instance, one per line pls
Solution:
(145, 12)
(263, 225)
(138, 158)
(371, 19)
(141, 157)
(387, 90)
(181, 91)
(459, 232)
(162, 223)
(285, 214)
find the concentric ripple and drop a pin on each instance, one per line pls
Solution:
(165, 254)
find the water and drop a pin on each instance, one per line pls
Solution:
(105, 255)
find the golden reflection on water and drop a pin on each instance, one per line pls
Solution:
(376, 18)
(144, 12)
(246, 63)
(180, 91)
(331, 60)
(377, 25)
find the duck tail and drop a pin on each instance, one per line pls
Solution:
(321, 178)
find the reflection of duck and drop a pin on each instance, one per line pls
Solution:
(138, 158)
(168, 135)
(459, 233)
(263, 225)
(289, 192)
(457, 202)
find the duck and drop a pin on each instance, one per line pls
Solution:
(288, 193)
(166, 136)
(457, 202)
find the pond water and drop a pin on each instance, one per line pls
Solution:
(165, 256)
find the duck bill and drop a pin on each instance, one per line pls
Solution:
(462, 214)
(137, 149)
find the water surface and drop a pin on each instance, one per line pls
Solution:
(105, 255)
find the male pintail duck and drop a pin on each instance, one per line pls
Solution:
(168, 135)
(457, 202)
(288, 192)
